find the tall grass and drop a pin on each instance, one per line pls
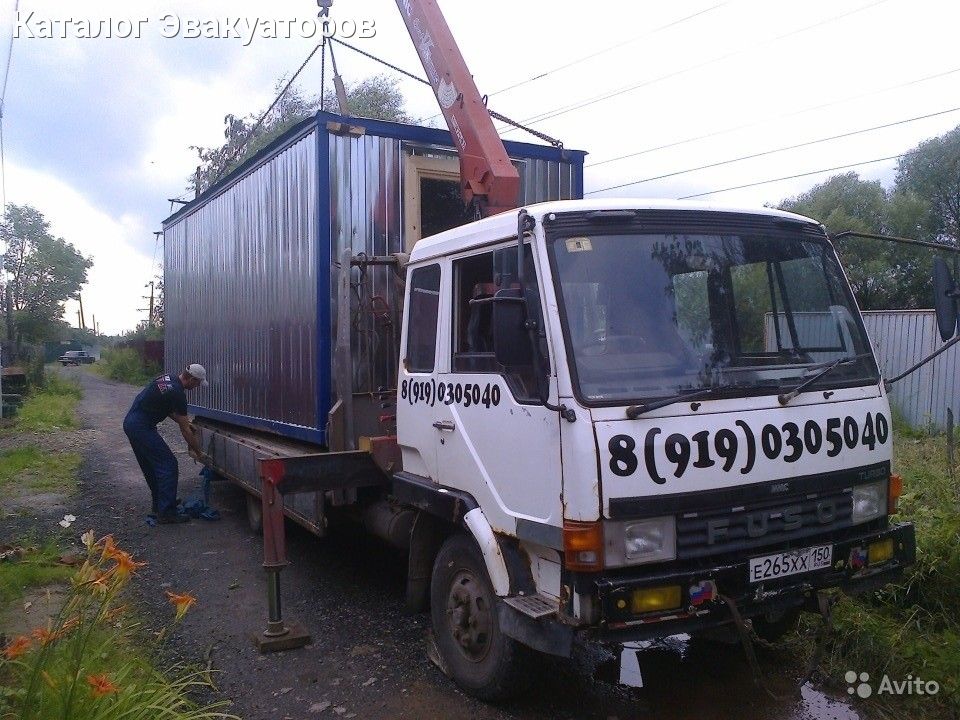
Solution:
(125, 365)
(90, 663)
(50, 407)
(912, 628)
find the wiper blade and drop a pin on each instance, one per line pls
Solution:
(635, 411)
(828, 368)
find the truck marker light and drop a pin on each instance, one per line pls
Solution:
(655, 599)
(893, 496)
(880, 552)
(582, 545)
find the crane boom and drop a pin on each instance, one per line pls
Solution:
(487, 176)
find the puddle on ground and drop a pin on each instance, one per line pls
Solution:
(696, 679)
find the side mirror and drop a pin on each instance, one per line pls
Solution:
(944, 299)
(511, 339)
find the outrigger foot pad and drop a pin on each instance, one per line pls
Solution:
(295, 636)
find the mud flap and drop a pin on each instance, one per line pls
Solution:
(544, 635)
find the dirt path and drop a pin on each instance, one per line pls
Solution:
(368, 658)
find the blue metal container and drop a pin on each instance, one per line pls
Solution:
(250, 266)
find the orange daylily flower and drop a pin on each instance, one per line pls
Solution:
(101, 583)
(126, 565)
(101, 685)
(69, 625)
(45, 636)
(181, 602)
(17, 648)
(110, 548)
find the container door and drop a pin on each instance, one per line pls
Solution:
(496, 440)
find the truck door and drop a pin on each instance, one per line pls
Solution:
(495, 439)
(418, 373)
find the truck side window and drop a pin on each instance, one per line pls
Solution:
(422, 318)
(474, 285)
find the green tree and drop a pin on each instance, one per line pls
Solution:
(376, 97)
(884, 276)
(44, 272)
(931, 172)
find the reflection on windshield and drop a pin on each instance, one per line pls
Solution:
(650, 315)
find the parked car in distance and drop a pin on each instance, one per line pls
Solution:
(76, 357)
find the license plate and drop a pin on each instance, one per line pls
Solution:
(794, 562)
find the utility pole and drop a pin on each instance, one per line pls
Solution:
(83, 323)
(94, 327)
(79, 320)
(150, 310)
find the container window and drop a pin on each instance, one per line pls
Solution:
(422, 319)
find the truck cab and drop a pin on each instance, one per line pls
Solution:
(650, 410)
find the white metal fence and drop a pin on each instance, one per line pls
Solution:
(903, 337)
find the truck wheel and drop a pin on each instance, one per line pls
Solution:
(463, 607)
(254, 513)
(772, 627)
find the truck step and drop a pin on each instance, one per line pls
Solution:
(535, 606)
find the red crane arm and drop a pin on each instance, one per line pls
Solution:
(486, 174)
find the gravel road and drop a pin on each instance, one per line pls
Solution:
(367, 659)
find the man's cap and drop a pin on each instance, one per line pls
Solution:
(199, 372)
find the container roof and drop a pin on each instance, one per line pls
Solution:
(379, 128)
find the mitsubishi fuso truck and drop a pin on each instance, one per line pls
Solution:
(596, 421)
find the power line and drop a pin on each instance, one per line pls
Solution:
(783, 116)
(563, 110)
(6, 72)
(792, 177)
(764, 153)
(602, 51)
(495, 115)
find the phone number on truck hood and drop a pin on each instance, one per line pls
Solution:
(658, 456)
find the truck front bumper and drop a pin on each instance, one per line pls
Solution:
(700, 589)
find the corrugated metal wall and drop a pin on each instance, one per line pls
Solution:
(901, 338)
(367, 215)
(240, 287)
(242, 269)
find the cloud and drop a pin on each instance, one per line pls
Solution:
(115, 282)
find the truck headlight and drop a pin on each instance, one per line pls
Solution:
(640, 541)
(869, 502)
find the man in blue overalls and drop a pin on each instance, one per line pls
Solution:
(162, 398)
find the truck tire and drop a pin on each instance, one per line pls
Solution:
(254, 513)
(463, 607)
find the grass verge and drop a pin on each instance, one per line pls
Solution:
(36, 567)
(95, 659)
(31, 469)
(912, 629)
(124, 365)
(49, 408)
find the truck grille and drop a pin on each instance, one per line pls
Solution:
(724, 530)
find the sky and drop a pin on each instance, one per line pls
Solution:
(98, 132)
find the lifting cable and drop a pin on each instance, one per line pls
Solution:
(258, 123)
(495, 115)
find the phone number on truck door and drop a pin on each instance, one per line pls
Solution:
(738, 448)
(430, 392)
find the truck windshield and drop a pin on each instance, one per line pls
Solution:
(650, 314)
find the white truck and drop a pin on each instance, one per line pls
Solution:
(604, 420)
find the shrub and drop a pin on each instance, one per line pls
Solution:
(126, 365)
